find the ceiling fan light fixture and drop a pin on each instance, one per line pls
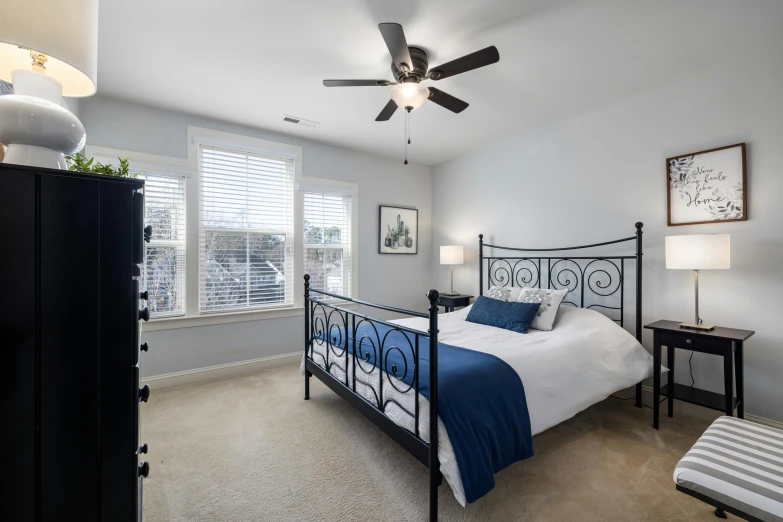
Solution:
(409, 95)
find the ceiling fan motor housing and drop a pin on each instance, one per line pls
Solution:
(418, 69)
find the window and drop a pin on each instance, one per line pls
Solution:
(327, 239)
(163, 274)
(235, 228)
(246, 239)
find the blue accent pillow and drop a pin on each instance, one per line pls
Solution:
(516, 317)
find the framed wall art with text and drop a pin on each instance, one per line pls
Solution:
(707, 186)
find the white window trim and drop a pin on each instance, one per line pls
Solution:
(142, 161)
(189, 168)
(198, 136)
(338, 187)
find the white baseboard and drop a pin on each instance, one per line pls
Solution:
(220, 372)
(752, 418)
(228, 371)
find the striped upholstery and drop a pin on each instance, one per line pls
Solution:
(739, 464)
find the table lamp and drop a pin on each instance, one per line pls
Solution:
(451, 255)
(698, 252)
(48, 49)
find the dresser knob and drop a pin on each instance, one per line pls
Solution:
(144, 313)
(688, 341)
(145, 347)
(144, 393)
(143, 449)
(147, 233)
(144, 295)
(144, 469)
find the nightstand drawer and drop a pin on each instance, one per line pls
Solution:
(689, 341)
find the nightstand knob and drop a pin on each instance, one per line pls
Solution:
(688, 341)
(144, 469)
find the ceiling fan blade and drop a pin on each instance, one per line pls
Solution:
(467, 63)
(447, 100)
(356, 83)
(398, 47)
(387, 111)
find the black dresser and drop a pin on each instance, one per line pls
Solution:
(73, 245)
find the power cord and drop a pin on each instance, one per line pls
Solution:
(690, 366)
(693, 382)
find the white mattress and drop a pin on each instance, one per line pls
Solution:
(582, 361)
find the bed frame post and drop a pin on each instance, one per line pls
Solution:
(481, 264)
(434, 464)
(639, 226)
(307, 333)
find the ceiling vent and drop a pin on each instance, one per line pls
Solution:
(300, 121)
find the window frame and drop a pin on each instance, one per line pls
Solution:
(197, 136)
(334, 187)
(189, 169)
(290, 236)
(141, 161)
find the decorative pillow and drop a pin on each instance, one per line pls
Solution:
(550, 302)
(510, 316)
(504, 293)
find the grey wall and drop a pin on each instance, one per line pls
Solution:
(395, 280)
(591, 177)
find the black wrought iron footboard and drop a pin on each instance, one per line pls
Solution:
(345, 348)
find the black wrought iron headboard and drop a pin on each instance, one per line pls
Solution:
(597, 278)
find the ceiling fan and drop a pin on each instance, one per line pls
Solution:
(410, 68)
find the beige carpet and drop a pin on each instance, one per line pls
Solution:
(251, 449)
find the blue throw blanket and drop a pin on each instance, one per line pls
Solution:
(481, 401)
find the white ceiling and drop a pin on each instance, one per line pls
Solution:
(250, 61)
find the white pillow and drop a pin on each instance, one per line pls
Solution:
(550, 302)
(504, 293)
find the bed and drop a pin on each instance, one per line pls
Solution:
(389, 370)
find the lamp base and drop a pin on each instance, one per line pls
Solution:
(37, 130)
(694, 326)
(35, 157)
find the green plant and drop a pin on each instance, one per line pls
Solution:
(80, 163)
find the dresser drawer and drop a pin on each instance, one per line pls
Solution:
(691, 341)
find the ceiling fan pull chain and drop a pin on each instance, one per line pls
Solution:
(406, 136)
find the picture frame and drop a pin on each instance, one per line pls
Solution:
(709, 186)
(398, 230)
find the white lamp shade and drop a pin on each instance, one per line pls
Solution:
(451, 255)
(698, 252)
(65, 31)
(409, 95)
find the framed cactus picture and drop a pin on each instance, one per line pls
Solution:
(398, 230)
(707, 186)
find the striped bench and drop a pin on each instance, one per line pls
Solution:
(736, 466)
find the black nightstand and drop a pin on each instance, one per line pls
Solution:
(720, 341)
(448, 302)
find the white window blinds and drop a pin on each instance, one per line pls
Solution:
(327, 240)
(164, 269)
(246, 230)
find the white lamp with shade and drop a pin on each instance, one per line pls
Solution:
(451, 255)
(48, 49)
(698, 252)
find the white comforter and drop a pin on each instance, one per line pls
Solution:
(582, 361)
